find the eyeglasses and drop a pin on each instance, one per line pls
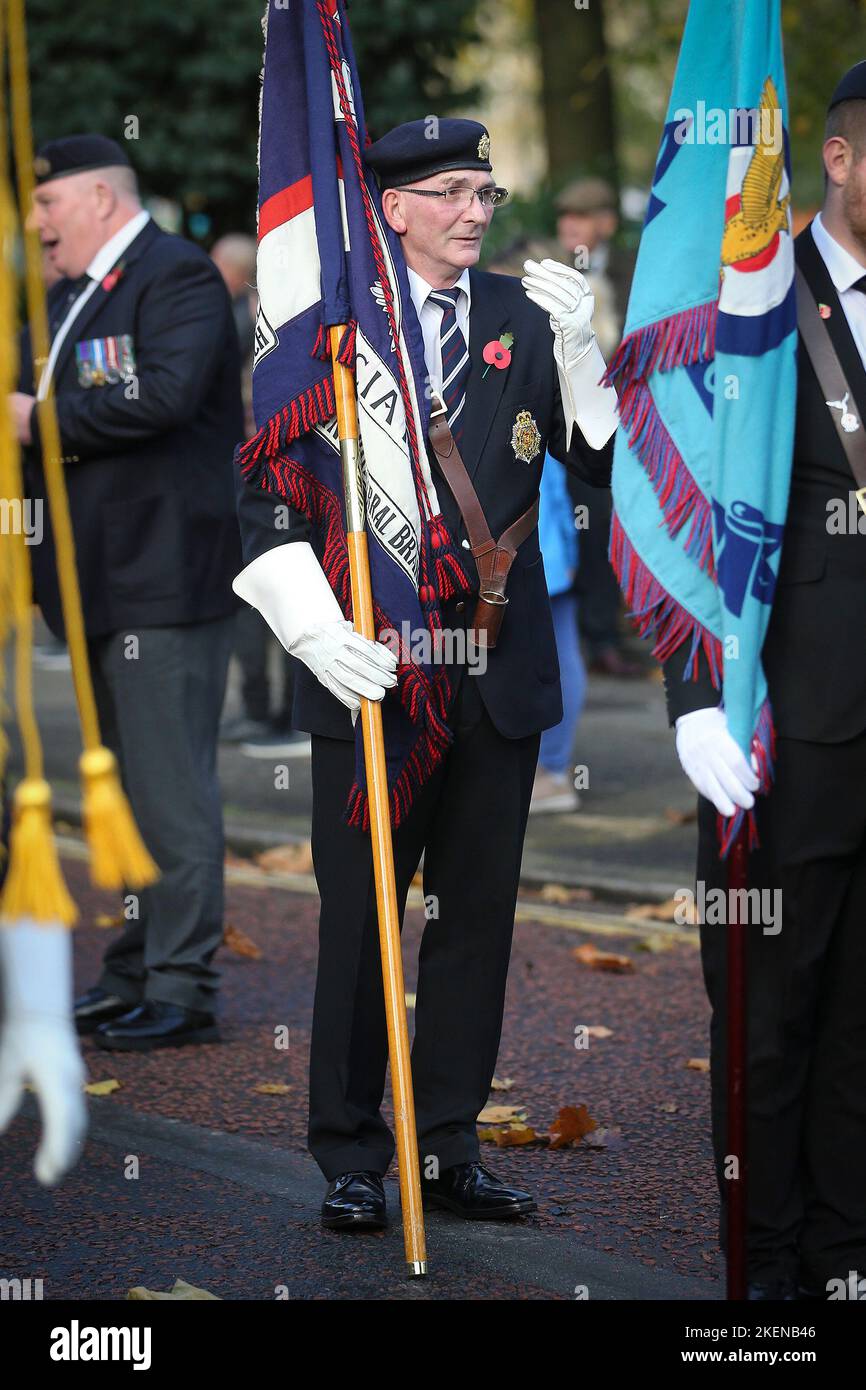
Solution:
(461, 195)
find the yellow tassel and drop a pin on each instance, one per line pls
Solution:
(118, 856)
(34, 885)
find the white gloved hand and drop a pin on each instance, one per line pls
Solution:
(714, 762)
(566, 296)
(288, 587)
(39, 1044)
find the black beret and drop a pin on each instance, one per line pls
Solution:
(852, 85)
(420, 148)
(72, 154)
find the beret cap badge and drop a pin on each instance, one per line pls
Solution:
(41, 166)
(484, 146)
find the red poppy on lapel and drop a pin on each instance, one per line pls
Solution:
(497, 353)
(109, 281)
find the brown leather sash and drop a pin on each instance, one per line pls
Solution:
(831, 378)
(493, 559)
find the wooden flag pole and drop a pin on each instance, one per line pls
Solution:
(737, 1071)
(380, 827)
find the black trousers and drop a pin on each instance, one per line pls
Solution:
(470, 821)
(806, 1017)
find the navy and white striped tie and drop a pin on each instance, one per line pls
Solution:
(455, 359)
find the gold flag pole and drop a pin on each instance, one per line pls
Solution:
(380, 827)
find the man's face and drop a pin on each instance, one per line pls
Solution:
(587, 229)
(69, 215)
(437, 235)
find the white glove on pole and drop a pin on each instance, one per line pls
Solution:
(39, 1043)
(568, 300)
(288, 587)
(714, 762)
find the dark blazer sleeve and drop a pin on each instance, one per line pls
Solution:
(180, 339)
(685, 696)
(265, 520)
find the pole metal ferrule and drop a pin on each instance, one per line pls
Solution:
(353, 484)
(416, 1268)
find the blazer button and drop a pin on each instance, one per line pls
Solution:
(460, 606)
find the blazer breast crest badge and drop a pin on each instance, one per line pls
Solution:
(525, 438)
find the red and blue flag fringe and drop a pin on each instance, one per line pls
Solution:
(679, 340)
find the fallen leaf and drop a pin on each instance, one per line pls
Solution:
(656, 944)
(698, 1063)
(272, 1088)
(669, 1107)
(570, 1125)
(601, 1138)
(101, 1088)
(597, 1030)
(501, 1114)
(179, 1290)
(504, 1085)
(510, 1135)
(680, 817)
(555, 893)
(287, 859)
(104, 920)
(240, 943)
(601, 960)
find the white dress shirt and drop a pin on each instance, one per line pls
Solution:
(104, 260)
(430, 316)
(845, 271)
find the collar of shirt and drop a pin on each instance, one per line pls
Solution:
(420, 289)
(113, 249)
(844, 270)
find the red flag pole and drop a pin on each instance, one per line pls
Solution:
(736, 1155)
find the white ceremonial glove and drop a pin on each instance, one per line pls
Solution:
(714, 762)
(39, 1043)
(288, 587)
(565, 295)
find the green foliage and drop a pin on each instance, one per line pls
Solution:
(188, 70)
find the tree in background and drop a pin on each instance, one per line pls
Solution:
(576, 90)
(179, 83)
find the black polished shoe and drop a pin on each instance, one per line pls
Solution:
(355, 1202)
(97, 1006)
(471, 1191)
(773, 1291)
(156, 1024)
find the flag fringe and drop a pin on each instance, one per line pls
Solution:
(764, 753)
(656, 613)
(680, 340)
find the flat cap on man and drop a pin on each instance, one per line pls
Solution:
(586, 195)
(851, 86)
(73, 154)
(429, 146)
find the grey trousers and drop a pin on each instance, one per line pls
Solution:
(159, 692)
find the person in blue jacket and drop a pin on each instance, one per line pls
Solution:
(553, 789)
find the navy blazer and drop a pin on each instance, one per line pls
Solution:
(520, 687)
(148, 465)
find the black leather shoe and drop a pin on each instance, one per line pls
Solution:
(471, 1191)
(98, 1006)
(774, 1291)
(155, 1024)
(355, 1202)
